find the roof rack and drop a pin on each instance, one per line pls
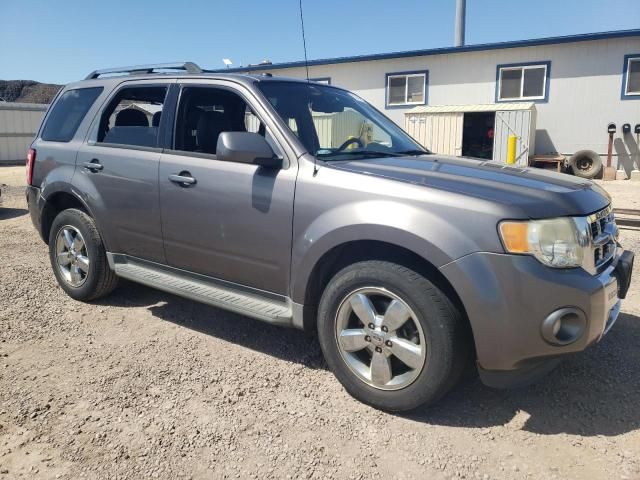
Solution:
(188, 67)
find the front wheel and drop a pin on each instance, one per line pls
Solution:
(392, 338)
(78, 256)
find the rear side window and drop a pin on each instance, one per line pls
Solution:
(133, 117)
(68, 112)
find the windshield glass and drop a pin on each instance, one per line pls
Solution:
(334, 124)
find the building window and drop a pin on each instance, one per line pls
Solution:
(407, 88)
(325, 80)
(523, 82)
(631, 77)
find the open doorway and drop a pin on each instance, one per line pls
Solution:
(477, 134)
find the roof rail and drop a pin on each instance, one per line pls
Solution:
(188, 67)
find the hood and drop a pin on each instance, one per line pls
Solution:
(535, 192)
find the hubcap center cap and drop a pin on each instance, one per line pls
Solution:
(377, 339)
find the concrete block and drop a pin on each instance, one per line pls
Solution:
(635, 175)
(609, 173)
(621, 175)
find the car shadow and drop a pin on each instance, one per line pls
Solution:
(287, 344)
(591, 393)
(7, 213)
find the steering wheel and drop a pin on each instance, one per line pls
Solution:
(348, 142)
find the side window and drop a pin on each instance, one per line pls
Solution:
(68, 112)
(133, 117)
(631, 77)
(407, 88)
(205, 112)
(523, 82)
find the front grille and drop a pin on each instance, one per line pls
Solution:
(603, 237)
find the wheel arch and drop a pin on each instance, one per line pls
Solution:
(55, 203)
(350, 252)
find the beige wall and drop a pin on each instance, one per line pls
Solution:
(584, 92)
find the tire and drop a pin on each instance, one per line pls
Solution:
(585, 164)
(434, 325)
(88, 253)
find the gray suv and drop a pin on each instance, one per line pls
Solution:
(301, 205)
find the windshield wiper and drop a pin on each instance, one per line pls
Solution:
(364, 153)
(413, 152)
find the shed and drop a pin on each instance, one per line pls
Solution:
(475, 130)
(19, 123)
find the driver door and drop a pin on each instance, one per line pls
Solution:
(234, 221)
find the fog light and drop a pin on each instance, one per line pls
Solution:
(564, 326)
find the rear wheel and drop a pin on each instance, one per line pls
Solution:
(78, 256)
(391, 337)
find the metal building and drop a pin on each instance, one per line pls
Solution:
(18, 125)
(578, 83)
(451, 129)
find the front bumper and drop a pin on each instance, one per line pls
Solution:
(508, 297)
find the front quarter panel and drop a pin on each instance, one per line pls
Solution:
(334, 207)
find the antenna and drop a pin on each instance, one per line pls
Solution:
(306, 66)
(304, 42)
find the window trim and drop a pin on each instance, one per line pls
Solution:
(180, 87)
(624, 95)
(406, 74)
(92, 134)
(321, 80)
(524, 66)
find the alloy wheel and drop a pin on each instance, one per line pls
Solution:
(72, 257)
(380, 338)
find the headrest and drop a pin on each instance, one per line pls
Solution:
(155, 120)
(210, 125)
(130, 117)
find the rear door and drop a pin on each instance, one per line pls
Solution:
(235, 221)
(117, 169)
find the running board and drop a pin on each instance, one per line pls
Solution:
(201, 288)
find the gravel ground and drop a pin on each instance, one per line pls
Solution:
(147, 385)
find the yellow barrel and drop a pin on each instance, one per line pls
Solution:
(511, 149)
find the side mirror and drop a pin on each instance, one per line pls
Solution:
(246, 147)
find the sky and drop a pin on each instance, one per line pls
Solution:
(62, 41)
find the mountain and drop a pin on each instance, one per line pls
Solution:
(27, 91)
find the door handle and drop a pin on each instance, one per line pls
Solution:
(184, 179)
(94, 165)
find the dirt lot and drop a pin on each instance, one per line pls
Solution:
(147, 385)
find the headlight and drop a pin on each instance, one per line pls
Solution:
(555, 242)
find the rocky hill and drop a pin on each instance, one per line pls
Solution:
(27, 91)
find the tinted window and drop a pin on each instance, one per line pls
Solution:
(68, 112)
(205, 112)
(133, 117)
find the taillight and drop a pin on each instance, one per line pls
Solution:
(31, 160)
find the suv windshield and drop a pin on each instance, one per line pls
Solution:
(334, 124)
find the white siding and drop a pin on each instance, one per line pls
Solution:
(18, 125)
(439, 132)
(517, 122)
(584, 91)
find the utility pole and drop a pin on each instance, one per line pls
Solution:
(461, 7)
